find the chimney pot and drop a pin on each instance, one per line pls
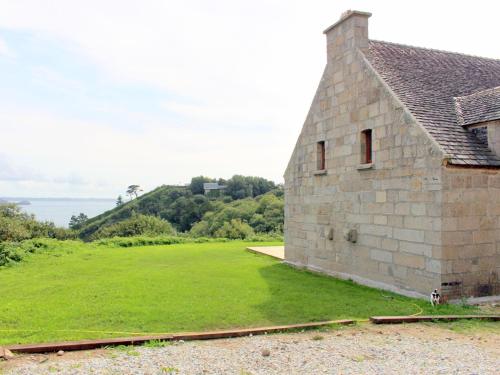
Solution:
(348, 33)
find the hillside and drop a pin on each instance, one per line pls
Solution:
(248, 205)
(151, 203)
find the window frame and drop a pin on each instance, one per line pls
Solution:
(367, 146)
(321, 155)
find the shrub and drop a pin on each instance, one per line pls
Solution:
(265, 237)
(9, 253)
(136, 225)
(264, 214)
(200, 229)
(13, 252)
(172, 240)
(259, 224)
(13, 230)
(235, 229)
(16, 226)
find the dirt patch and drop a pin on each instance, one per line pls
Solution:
(460, 347)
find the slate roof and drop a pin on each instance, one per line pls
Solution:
(212, 186)
(479, 107)
(428, 81)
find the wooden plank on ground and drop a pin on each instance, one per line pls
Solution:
(84, 344)
(429, 318)
(277, 252)
(255, 331)
(94, 344)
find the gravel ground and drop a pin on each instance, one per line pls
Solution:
(401, 349)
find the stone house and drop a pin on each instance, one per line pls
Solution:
(394, 181)
(210, 187)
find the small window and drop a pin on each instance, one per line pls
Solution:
(321, 163)
(481, 133)
(366, 146)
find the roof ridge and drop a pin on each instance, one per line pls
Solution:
(458, 110)
(434, 50)
(478, 93)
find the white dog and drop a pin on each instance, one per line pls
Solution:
(435, 298)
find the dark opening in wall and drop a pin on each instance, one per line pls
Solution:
(321, 161)
(481, 133)
(366, 146)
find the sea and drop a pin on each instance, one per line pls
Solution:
(60, 210)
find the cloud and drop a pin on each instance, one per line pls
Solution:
(48, 77)
(235, 80)
(5, 51)
(223, 115)
(106, 159)
(226, 55)
(12, 172)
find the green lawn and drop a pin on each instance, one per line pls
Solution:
(89, 291)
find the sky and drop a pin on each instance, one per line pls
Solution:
(97, 95)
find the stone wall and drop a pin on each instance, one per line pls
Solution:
(471, 232)
(394, 204)
(420, 224)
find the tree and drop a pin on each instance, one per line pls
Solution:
(185, 211)
(133, 191)
(119, 201)
(238, 188)
(76, 221)
(196, 185)
(260, 185)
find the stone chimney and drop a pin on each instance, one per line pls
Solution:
(349, 33)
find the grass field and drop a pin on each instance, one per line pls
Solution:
(89, 291)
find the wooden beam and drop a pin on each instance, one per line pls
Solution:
(138, 340)
(429, 318)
